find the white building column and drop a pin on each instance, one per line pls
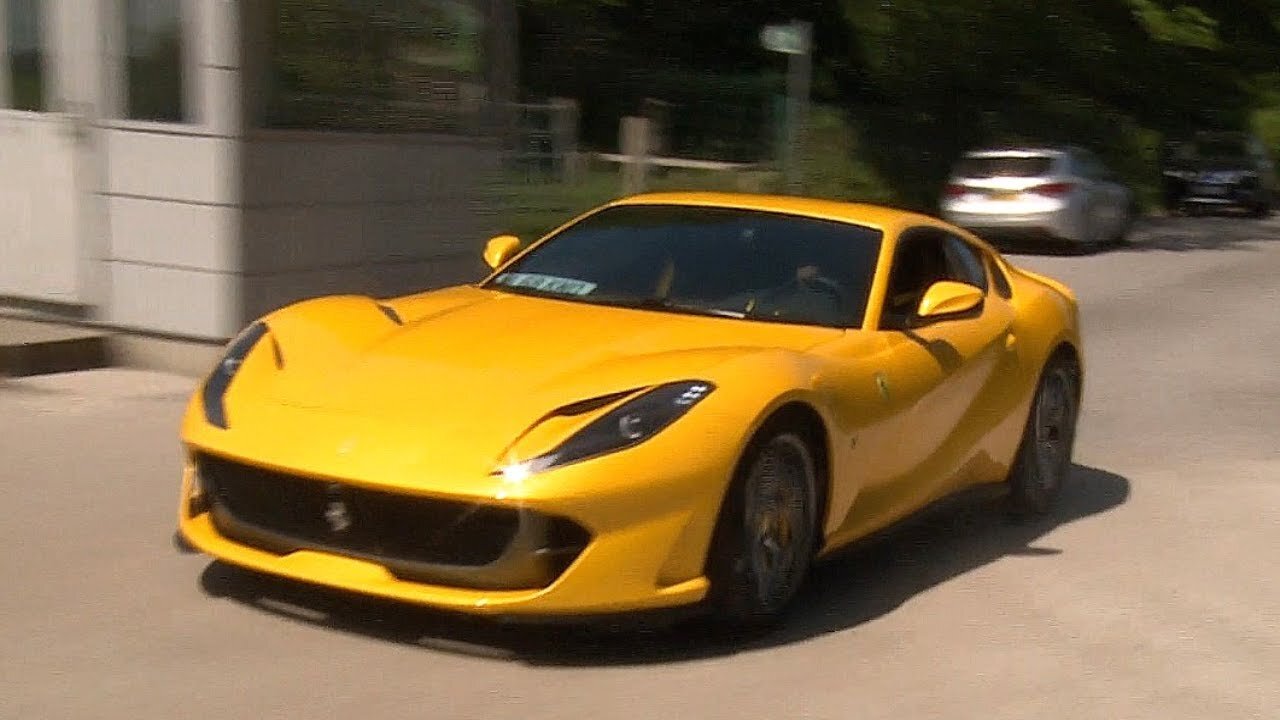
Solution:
(75, 89)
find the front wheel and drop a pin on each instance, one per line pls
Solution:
(765, 539)
(1043, 461)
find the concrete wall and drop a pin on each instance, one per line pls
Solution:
(171, 215)
(339, 212)
(171, 191)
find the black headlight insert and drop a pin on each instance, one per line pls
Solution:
(215, 388)
(631, 423)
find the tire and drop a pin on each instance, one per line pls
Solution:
(1082, 247)
(1042, 464)
(766, 536)
(1133, 213)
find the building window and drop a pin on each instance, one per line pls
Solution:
(154, 62)
(376, 66)
(26, 59)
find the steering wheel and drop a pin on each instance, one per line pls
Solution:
(821, 283)
(805, 283)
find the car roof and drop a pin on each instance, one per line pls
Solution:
(879, 217)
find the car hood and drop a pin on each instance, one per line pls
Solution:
(480, 367)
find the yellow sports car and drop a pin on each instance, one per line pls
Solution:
(674, 400)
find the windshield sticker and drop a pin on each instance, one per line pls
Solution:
(546, 283)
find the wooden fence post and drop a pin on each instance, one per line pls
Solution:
(564, 137)
(634, 143)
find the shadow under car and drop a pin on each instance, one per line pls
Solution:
(866, 581)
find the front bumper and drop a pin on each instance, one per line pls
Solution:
(631, 545)
(1060, 224)
(1224, 194)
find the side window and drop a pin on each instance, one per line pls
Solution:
(964, 264)
(924, 257)
(26, 61)
(154, 73)
(999, 280)
(919, 261)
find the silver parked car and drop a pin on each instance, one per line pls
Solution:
(1059, 194)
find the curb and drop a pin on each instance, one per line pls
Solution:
(32, 344)
(29, 348)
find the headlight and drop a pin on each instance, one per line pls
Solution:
(627, 425)
(198, 499)
(215, 388)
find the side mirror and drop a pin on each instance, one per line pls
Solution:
(501, 249)
(948, 300)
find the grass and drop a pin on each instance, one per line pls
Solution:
(532, 204)
(832, 166)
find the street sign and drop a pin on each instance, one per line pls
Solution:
(789, 39)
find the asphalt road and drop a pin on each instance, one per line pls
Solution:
(1153, 594)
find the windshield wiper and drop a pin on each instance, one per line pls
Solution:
(654, 303)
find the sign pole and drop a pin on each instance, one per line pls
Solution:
(795, 40)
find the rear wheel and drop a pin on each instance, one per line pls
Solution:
(766, 535)
(1043, 461)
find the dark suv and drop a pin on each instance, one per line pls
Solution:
(1219, 170)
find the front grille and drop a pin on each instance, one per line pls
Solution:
(283, 513)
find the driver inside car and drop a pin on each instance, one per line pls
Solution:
(807, 294)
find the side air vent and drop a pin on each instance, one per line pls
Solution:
(391, 314)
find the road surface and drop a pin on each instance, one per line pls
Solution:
(1153, 594)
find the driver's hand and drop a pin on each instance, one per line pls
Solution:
(805, 273)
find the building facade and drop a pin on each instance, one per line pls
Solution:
(178, 167)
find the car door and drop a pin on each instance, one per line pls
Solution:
(937, 380)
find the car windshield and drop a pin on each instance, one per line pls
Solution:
(990, 166)
(708, 261)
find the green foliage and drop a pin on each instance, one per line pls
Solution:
(908, 85)
(532, 205)
(1116, 75)
(1183, 25)
(903, 86)
(1266, 123)
(361, 66)
(325, 47)
(830, 162)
